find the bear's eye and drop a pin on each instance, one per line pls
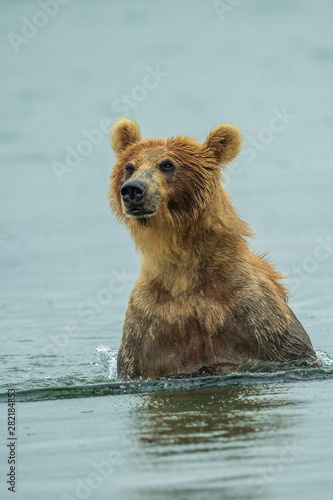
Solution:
(166, 166)
(129, 169)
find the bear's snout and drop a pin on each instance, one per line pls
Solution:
(140, 196)
(132, 191)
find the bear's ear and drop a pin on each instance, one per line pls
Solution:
(124, 133)
(225, 142)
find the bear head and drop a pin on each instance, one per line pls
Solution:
(171, 180)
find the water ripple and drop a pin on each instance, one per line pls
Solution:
(172, 384)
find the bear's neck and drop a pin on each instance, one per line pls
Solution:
(188, 258)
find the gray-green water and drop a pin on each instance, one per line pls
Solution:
(67, 268)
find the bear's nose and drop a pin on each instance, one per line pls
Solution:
(132, 191)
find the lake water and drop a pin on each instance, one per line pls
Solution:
(67, 268)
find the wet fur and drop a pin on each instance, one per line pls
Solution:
(203, 301)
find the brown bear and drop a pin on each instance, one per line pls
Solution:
(203, 302)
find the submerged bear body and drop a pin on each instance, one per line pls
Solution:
(203, 303)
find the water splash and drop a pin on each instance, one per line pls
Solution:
(170, 385)
(107, 356)
(325, 359)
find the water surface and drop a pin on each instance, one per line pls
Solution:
(67, 267)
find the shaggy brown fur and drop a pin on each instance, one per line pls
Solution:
(203, 303)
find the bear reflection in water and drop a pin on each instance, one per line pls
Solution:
(203, 302)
